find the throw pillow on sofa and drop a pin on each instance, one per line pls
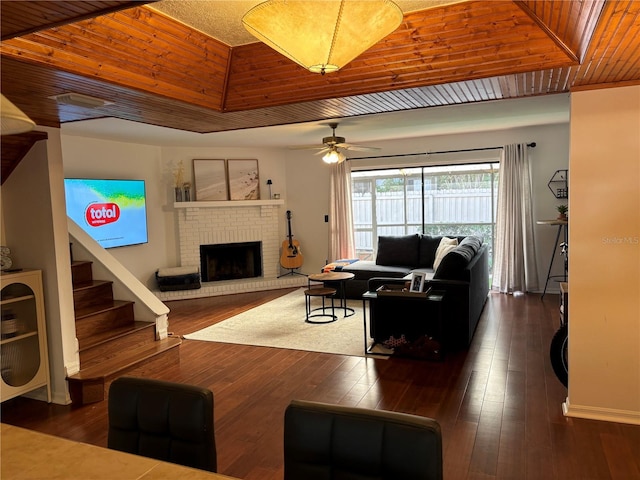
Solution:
(446, 245)
(398, 250)
(475, 243)
(453, 264)
(427, 250)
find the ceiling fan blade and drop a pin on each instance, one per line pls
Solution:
(307, 147)
(360, 148)
(324, 150)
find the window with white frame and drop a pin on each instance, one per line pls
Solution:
(434, 200)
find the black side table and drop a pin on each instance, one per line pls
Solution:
(431, 304)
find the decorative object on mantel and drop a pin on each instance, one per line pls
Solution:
(244, 180)
(186, 187)
(231, 179)
(210, 179)
(559, 184)
(562, 212)
(269, 183)
(322, 36)
(178, 180)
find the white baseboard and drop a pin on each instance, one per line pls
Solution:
(59, 398)
(599, 413)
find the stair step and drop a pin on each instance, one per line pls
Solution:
(95, 322)
(126, 359)
(81, 272)
(113, 305)
(103, 344)
(92, 295)
(113, 334)
(88, 385)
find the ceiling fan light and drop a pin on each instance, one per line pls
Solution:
(322, 35)
(332, 156)
(13, 120)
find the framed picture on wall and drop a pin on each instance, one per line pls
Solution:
(210, 177)
(244, 180)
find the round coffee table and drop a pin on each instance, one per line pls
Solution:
(339, 279)
(323, 293)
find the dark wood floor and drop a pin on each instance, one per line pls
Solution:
(499, 403)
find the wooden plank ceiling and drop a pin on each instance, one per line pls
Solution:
(159, 71)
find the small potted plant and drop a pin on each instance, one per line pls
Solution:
(562, 212)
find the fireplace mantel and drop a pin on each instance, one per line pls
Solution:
(228, 203)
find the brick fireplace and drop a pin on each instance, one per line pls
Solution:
(230, 261)
(232, 222)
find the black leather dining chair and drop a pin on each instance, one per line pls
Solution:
(163, 420)
(332, 442)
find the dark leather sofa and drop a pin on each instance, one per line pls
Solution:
(463, 276)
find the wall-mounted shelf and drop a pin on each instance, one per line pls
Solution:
(559, 185)
(229, 204)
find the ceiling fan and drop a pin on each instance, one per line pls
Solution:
(331, 147)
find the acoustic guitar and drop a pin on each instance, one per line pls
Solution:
(291, 256)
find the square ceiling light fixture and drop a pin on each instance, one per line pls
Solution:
(322, 35)
(80, 100)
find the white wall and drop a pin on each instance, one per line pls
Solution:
(92, 158)
(604, 255)
(34, 227)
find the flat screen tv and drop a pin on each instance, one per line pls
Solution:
(112, 212)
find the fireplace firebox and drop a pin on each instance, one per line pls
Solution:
(230, 261)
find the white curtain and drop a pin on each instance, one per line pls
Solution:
(341, 236)
(514, 260)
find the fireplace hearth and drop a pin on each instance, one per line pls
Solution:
(230, 261)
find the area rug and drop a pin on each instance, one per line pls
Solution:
(281, 323)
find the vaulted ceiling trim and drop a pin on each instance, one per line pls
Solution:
(137, 48)
(570, 24)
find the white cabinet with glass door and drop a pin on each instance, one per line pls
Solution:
(23, 339)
